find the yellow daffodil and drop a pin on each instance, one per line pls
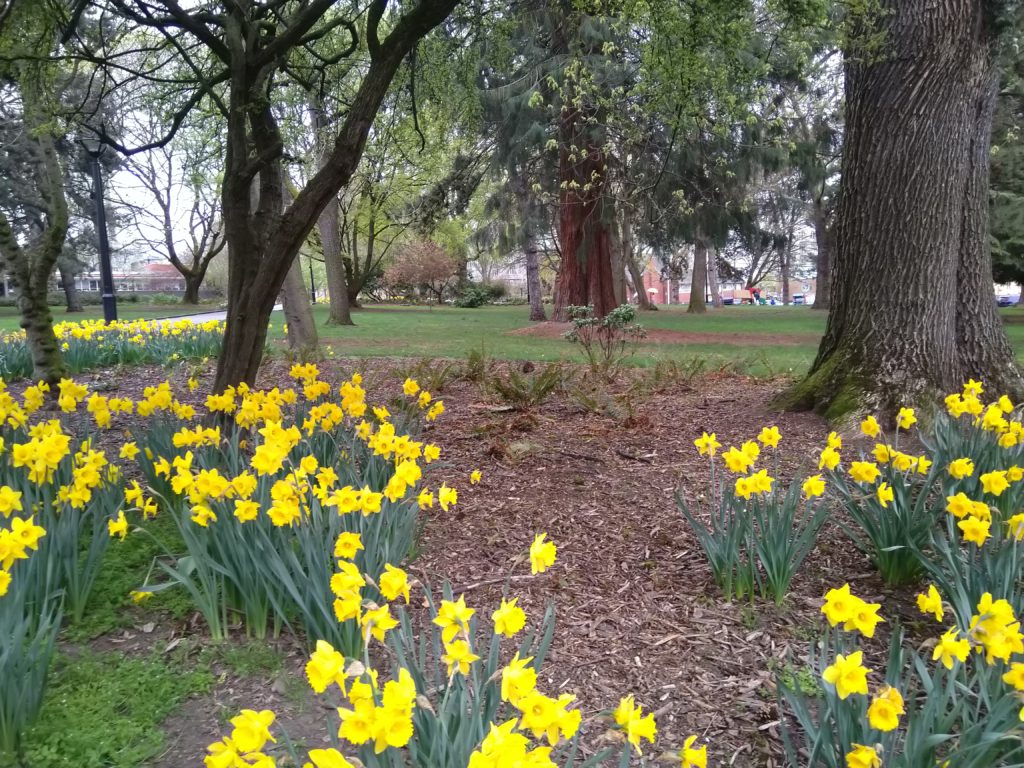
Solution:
(691, 757)
(848, 674)
(864, 471)
(885, 710)
(885, 494)
(770, 437)
(930, 602)
(394, 583)
(950, 647)
(542, 554)
(509, 618)
(813, 487)
(994, 482)
(863, 757)
(905, 419)
(707, 445)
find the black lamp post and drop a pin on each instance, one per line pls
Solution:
(106, 273)
(312, 285)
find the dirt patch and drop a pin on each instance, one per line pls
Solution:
(552, 330)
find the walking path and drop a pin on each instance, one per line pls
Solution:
(202, 317)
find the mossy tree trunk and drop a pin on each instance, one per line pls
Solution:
(30, 265)
(913, 307)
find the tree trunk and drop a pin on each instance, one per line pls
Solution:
(618, 265)
(823, 241)
(298, 313)
(329, 227)
(533, 287)
(636, 276)
(585, 272)
(913, 305)
(67, 281)
(263, 242)
(340, 312)
(713, 285)
(698, 285)
(30, 267)
(784, 266)
(193, 282)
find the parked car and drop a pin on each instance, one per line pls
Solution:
(799, 298)
(1007, 301)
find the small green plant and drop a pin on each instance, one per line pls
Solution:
(524, 392)
(606, 341)
(724, 541)
(434, 374)
(672, 375)
(757, 544)
(892, 532)
(478, 366)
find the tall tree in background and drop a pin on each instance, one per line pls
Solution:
(174, 200)
(912, 266)
(1007, 190)
(586, 212)
(240, 53)
(33, 226)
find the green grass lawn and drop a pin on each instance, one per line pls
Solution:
(453, 332)
(756, 340)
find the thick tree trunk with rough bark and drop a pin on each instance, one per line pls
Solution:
(30, 266)
(586, 211)
(698, 283)
(585, 273)
(72, 301)
(912, 307)
(823, 240)
(713, 283)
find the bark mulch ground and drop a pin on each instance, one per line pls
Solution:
(637, 609)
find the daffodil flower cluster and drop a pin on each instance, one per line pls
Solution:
(95, 344)
(523, 725)
(759, 534)
(300, 468)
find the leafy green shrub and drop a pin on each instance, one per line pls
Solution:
(608, 340)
